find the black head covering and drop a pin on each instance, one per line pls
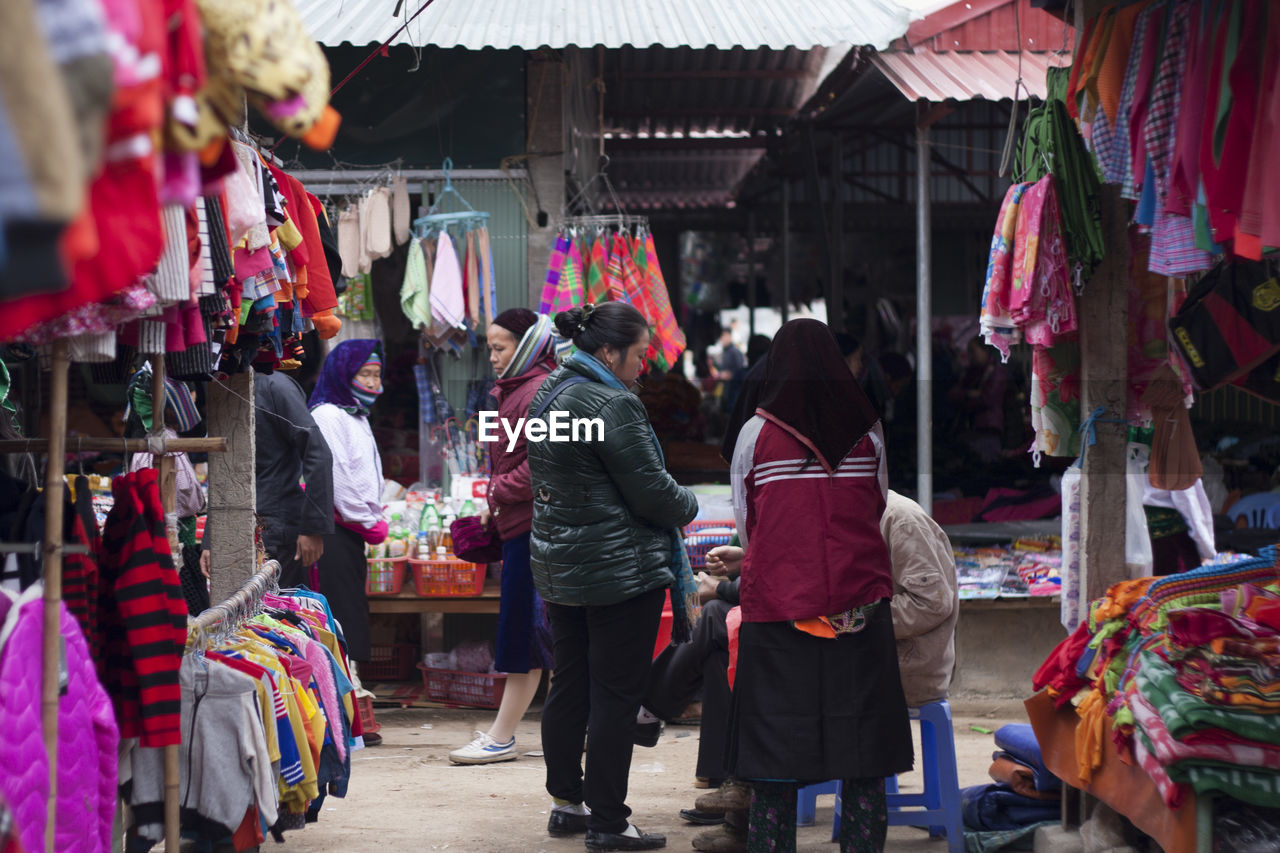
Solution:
(808, 386)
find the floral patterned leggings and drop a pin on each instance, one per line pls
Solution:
(864, 821)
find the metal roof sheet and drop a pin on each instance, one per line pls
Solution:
(965, 75)
(530, 24)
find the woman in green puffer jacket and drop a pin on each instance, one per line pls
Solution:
(602, 558)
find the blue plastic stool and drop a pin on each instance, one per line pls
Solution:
(807, 801)
(940, 800)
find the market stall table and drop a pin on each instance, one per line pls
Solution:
(408, 602)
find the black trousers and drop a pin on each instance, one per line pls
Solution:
(702, 663)
(343, 569)
(602, 658)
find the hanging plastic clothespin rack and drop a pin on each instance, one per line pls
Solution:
(434, 220)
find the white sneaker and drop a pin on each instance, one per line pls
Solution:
(484, 750)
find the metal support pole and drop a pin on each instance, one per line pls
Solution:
(835, 310)
(924, 338)
(52, 621)
(786, 249)
(751, 272)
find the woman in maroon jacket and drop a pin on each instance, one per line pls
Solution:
(521, 351)
(817, 694)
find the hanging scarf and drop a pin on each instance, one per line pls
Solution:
(571, 289)
(339, 371)
(554, 267)
(667, 336)
(537, 343)
(684, 589)
(597, 289)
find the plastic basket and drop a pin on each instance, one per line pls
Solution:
(472, 689)
(389, 662)
(701, 536)
(386, 575)
(450, 578)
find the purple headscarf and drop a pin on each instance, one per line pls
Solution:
(342, 365)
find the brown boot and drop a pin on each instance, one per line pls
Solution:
(721, 839)
(731, 796)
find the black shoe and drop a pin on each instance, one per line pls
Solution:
(702, 818)
(647, 734)
(600, 841)
(563, 824)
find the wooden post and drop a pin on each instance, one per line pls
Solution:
(1104, 311)
(545, 80)
(232, 485)
(167, 475)
(53, 491)
(751, 272)
(786, 247)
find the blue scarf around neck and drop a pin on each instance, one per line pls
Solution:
(684, 588)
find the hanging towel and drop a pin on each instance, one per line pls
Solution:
(472, 281)
(554, 268)
(667, 332)
(490, 286)
(171, 281)
(415, 299)
(996, 326)
(400, 216)
(447, 303)
(633, 289)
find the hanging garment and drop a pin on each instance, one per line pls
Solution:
(1151, 30)
(597, 284)
(473, 285)
(448, 306)
(996, 326)
(1260, 205)
(400, 214)
(88, 739)
(555, 266)
(349, 241)
(415, 297)
(376, 217)
(1043, 305)
(667, 335)
(488, 284)
(1055, 399)
(570, 291)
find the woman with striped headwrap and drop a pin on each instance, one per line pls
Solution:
(522, 349)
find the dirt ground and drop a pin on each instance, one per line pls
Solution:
(405, 795)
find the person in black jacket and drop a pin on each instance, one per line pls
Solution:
(290, 450)
(603, 553)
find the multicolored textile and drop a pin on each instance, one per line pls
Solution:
(536, 344)
(1055, 399)
(555, 267)
(668, 340)
(597, 286)
(997, 327)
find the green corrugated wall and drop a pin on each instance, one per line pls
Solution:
(508, 230)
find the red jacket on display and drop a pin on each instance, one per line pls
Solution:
(813, 543)
(510, 493)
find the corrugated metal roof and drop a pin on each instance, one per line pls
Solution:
(530, 24)
(964, 76)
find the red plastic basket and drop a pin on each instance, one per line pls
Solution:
(389, 662)
(386, 575)
(470, 689)
(698, 542)
(450, 578)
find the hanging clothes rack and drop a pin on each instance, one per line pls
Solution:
(242, 603)
(435, 220)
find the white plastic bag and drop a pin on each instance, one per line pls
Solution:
(1070, 571)
(1137, 542)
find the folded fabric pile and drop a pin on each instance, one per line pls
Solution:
(1184, 668)
(1027, 567)
(1024, 794)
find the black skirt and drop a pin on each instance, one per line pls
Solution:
(810, 709)
(342, 571)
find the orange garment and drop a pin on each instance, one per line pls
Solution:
(1093, 65)
(1120, 599)
(1116, 60)
(1077, 69)
(1090, 734)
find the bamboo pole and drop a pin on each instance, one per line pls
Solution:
(53, 486)
(165, 468)
(76, 444)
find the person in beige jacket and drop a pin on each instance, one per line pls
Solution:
(925, 601)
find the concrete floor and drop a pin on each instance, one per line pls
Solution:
(405, 795)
